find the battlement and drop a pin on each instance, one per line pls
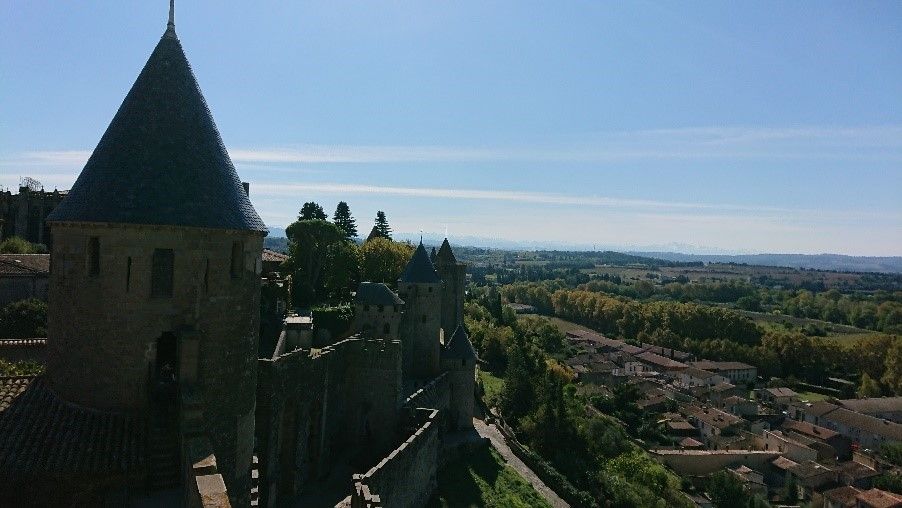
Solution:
(430, 395)
(407, 476)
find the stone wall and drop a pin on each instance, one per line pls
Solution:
(703, 462)
(407, 476)
(344, 397)
(17, 350)
(433, 395)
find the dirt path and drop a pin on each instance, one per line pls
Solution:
(500, 444)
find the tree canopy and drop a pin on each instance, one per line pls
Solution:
(16, 245)
(23, 319)
(383, 260)
(312, 245)
(312, 211)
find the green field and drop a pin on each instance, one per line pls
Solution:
(812, 396)
(483, 479)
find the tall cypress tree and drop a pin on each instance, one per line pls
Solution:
(382, 224)
(345, 221)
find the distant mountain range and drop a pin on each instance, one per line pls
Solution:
(669, 252)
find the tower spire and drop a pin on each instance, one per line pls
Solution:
(171, 23)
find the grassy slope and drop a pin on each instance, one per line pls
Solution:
(483, 479)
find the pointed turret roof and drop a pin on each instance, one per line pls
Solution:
(161, 161)
(445, 255)
(460, 347)
(374, 233)
(420, 269)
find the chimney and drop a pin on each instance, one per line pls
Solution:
(247, 188)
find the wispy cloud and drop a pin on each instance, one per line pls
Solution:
(813, 142)
(292, 190)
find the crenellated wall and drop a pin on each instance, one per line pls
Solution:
(407, 476)
(343, 397)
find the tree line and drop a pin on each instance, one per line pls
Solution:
(327, 262)
(723, 334)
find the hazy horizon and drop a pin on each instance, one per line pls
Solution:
(760, 128)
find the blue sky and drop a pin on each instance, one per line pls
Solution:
(754, 127)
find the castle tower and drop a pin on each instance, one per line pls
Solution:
(459, 360)
(155, 277)
(454, 276)
(421, 289)
(377, 311)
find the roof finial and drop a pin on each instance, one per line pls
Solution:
(171, 23)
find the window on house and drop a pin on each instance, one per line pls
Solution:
(161, 273)
(207, 276)
(386, 329)
(382, 308)
(94, 256)
(128, 274)
(237, 259)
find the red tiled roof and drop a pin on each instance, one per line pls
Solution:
(24, 264)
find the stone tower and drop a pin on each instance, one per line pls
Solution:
(454, 276)
(459, 360)
(421, 289)
(155, 278)
(377, 311)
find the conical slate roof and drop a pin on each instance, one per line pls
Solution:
(374, 233)
(445, 255)
(419, 269)
(161, 161)
(460, 347)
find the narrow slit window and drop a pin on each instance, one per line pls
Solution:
(128, 274)
(237, 259)
(162, 273)
(207, 277)
(94, 256)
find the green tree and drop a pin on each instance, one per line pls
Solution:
(726, 490)
(518, 394)
(382, 225)
(383, 260)
(312, 211)
(892, 452)
(868, 387)
(23, 319)
(341, 274)
(16, 245)
(892, 374)
(310, 242)
(344, 220)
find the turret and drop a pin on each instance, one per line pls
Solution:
(155, 280)
(454, 277)
(421, 289)
(459, 361)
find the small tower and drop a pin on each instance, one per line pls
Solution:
(421, 289)
(155, 280)
(377, 311)
(454, 276)
(459, 360)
